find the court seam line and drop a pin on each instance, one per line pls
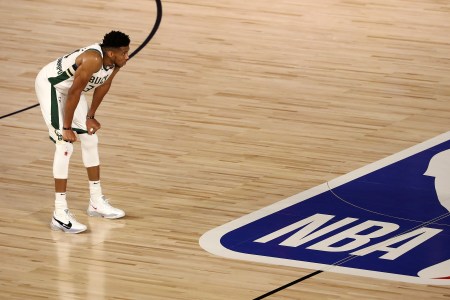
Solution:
(372, 211)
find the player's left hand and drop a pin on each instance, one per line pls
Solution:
(92, 126)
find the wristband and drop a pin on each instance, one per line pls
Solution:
(90, 117)
(67, 128)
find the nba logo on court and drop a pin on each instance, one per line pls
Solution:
(388, 220)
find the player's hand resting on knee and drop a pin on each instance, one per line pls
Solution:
(92, 125)
(69, 135)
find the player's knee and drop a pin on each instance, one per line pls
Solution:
(63, 152)
(89, 150)
(88, 142)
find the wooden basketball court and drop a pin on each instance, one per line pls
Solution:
(231, 107)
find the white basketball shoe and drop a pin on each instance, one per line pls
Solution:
(65, 221)
(101, 207)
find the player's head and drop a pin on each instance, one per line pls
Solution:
(115, 39)
(116, 45)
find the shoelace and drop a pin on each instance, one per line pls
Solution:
(70, 215)
(106, 201)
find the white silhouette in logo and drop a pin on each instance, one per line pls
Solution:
(439, 168)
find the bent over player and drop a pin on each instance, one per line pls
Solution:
(59, 87)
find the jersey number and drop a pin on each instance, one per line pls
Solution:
(88, 87)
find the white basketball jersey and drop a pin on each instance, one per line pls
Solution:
(61, 71)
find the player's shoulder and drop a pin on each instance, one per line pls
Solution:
(94, 51)
(91, 58)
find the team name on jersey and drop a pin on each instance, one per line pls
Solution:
(59, 66)
(98, 80)
(95, 81)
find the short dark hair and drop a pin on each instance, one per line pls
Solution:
(115, 39)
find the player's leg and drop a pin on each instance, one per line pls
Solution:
(51, 111)
(98, 204)
(62, 218)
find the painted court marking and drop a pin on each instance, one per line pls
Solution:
(388, 220)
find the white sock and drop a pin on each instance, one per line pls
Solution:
(95, 190)
(60, 202)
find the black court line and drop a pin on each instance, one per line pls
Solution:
(154, 30)
(19, 111)
(141, 46)
(288, 285)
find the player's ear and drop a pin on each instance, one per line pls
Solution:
(110, 53)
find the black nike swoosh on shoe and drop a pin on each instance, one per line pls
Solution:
(67, 226)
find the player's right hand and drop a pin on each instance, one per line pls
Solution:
(69, 135)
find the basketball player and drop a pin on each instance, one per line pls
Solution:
(59, 87)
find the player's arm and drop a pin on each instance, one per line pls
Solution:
(99, 93)
(88, 63)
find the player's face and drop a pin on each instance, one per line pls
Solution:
(121, 56)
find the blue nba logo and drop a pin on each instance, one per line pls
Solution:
(388, 220)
